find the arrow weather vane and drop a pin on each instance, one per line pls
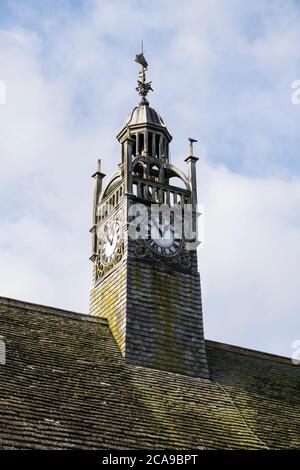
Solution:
(143, 87)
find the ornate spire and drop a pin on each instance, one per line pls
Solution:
(143, 87)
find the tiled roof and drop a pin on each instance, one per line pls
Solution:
(144, 114)
(66, 385)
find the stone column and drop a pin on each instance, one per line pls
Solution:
(128, 148)
(98, 178)
(191, 161)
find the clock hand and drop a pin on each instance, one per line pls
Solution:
(158, 227)
(154, 222)
(167, 228)
(108, 238)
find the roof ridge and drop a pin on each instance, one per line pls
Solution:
(39, 308)
(34, 307)
(248, 351)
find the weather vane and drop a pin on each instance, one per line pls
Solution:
(143, 87)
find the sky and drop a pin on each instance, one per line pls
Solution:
(222, 72)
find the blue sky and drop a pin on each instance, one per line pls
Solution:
(222, 72)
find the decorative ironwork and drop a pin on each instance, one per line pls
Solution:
(142, 251)
(102, 269)
(102, 266)
(143, 87)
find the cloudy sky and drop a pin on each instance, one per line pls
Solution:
(222, 72)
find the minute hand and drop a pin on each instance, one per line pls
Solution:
(109, 238)
(168, 228)
(158, 227)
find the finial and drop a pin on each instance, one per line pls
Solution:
(143, 87)
(98, 173)
(191, 146)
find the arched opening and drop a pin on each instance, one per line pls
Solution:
(135, 189)
(157, 144)
(150, 143)
(177, 182)
(154, 172)
(140, 143)
(111, 187)
(138, 170)
(133, 136)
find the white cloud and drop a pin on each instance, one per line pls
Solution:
(250, 259)
(222, 75)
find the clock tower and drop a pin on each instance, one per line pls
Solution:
(145, 276)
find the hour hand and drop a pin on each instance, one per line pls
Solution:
(110, 239)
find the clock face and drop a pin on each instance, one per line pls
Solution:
(159, 235)
(111, 239)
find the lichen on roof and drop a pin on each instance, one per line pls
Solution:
(66, 385)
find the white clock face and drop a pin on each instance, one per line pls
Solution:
(111, 238)
(159, 235)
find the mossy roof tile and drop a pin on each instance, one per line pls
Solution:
(66, 385)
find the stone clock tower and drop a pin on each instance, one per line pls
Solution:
(147, 286)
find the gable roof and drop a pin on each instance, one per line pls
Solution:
(66, 385)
